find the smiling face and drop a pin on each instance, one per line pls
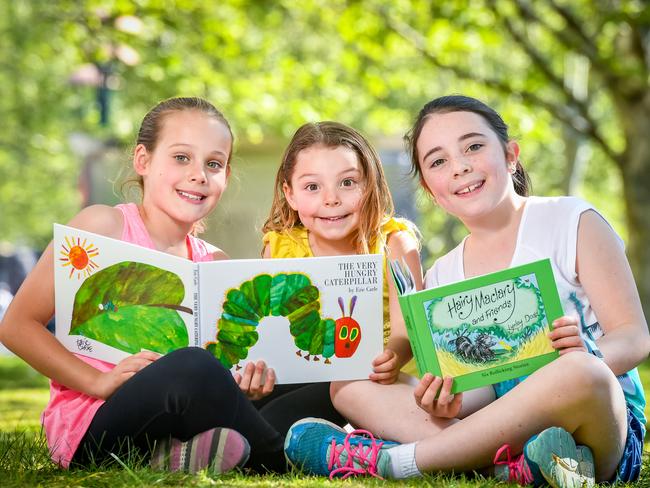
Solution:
(464, 165)
(326, 190)
(186, 173)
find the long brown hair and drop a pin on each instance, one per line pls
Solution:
(376, 203)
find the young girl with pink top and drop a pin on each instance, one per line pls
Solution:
(184, 409)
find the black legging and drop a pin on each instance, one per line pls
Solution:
(187, 392)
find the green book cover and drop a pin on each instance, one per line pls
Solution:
(483, 330)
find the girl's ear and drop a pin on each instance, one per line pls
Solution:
(512, 155)
(141, 160)
(288, 195)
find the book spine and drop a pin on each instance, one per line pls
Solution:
(412, 333)
(196, 309)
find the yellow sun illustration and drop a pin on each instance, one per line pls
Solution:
(78, 256)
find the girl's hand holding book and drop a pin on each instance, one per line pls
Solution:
(111, 380)
(433, 395)
(565, 336)
(385, 368)
(257, 381)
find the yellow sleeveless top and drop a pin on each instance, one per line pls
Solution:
(294, 243)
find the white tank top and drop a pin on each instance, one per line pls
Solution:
(549, 229)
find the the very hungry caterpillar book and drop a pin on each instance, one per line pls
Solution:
(311, 319)
(482, 330)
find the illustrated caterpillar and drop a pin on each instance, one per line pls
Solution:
(289, 295)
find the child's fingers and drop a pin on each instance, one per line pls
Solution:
(447, 404)
(269, 384)
(247, 377)
(383, 357)
(384, 378)
(454, 406)
(428, 401)
(386, 366)
(387, 355)
(572, 342)
(150, 355)
(564, 331)
(256, 381)
(565, 320)
(445, 397)
(132, 364)
(422, 386)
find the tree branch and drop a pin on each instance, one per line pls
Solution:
(544, 66)
(605, 67)
(564, 113)
(584, 45)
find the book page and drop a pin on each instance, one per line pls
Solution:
(311, 319)
(114, 298)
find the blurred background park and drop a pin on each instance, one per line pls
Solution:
(571, 78)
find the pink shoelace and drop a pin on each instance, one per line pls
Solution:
(518, 470)
(365, 457)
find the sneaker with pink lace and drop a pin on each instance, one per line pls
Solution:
(512, 469)
(551, 457)
(319, 447)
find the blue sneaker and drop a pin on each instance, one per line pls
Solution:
(553, 456)
(319, 447)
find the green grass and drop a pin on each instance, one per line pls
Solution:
(24, 460)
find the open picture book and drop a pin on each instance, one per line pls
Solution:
(482, 330)
(310, 319)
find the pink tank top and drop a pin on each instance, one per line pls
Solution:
(68, 414)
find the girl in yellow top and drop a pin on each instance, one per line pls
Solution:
(331, 198)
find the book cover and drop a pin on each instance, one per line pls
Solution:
(482, 330)
(311, 319)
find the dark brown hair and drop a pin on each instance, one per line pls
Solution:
(460, 103)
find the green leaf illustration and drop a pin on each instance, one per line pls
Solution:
(132, 306)
(137, 327)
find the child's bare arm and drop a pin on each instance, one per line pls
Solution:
(402, 245)
(23, 327)
(605, 274)
(387, 365)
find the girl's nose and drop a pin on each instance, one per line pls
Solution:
(197, 173)
(461, 166)
(332, 199)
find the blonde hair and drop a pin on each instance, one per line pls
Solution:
(376, 202)
(150, 131)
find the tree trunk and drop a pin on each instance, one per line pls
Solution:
(635, 169)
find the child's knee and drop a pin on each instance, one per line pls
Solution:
(192, 365)
(337, 391)
(586, 375)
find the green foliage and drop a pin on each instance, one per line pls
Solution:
(272, 66)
